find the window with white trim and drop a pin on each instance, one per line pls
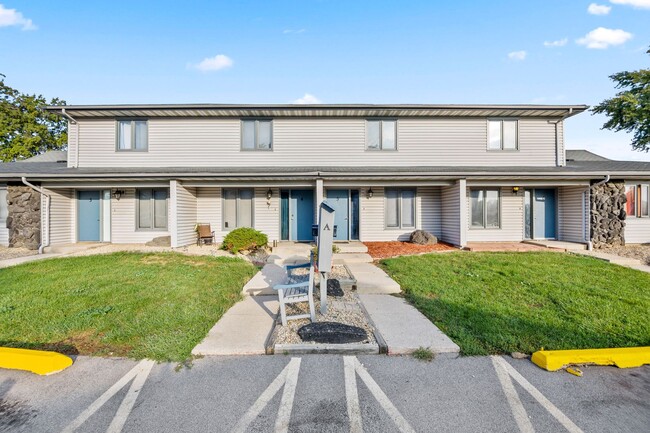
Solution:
(400, 208)
(485, 208)
(381, 134)
(152, 209)
(237, 208)
(132, 134)
(503, 134)
(256, 134)
(638, 200)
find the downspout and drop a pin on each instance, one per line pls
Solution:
(590, 245)
(76, 137)
(44, 224)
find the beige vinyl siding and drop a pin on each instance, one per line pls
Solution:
(561, 150)
(4, 232)
(183, 214)
(62, 225)
(123, 222)
(511, 216)
(314, 141)
(73, 131)
(372, 214)
(451, 215)
(572, 213)
(637, 230)
(208, 209)
(266, 217)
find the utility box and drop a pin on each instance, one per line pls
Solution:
(325, 237)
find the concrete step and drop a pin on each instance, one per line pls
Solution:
(372, 280)
(404, 328)
(569, 246)
(351, 247)
(72, 248)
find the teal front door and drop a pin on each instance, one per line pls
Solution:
(301, 214)
(88, 218)
(544, 213)
(339, 200)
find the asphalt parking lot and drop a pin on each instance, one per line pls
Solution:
(325, 393)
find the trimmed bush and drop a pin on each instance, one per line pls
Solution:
(244, 239)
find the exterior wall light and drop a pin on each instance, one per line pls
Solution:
(269, 194)
(118, 193)
(370, 193)
(515, 190)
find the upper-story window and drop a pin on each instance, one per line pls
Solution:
(638, 200)
(381, 134)
(503, 134)
(256, 134)
(132, 134)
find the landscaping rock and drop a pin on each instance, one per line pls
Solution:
(160, 241)
(334, 288)
(518, 355)
(332, 333)
(422, 237)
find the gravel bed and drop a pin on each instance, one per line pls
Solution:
(640, 252)
(345, 309)
(13, 253)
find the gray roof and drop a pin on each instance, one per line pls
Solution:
(50, 156)
(583, 155)
(318, 110)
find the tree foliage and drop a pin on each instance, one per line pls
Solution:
(26, 128)
(629, 110)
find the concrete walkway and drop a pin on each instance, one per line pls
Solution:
(26, 259)
(615, 259)
(243, 330)
(404, 328)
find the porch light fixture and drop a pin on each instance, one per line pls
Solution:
(118, 193)
(515, 190)
(370, 193)
(269, 194)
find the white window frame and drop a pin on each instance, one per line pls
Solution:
(484, 226)
(256, 141)
(501, 147)
(152, 203)
(400, 225)
(237, 201)
(639, 188)
(132, 148)
(381, 135)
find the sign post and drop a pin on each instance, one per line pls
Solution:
(325, 240)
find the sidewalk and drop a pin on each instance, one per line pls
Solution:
(615, 259)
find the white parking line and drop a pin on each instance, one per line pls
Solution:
(381, 397)
(546, 403)
(518, 411)
(141, 370)
(129, 400)
(268, 394)
(351, 395)
(286, 404)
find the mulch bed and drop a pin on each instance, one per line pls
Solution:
(384, 250)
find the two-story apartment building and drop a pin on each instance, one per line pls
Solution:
(465, 173)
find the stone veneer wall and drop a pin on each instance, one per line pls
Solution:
(608, 214)
(24, 217)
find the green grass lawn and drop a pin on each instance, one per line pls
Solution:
(156, 306)
(492, 303)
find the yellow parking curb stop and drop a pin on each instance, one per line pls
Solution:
(37, 361)
(624, 357)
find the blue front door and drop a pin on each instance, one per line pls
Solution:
(338, 199)
(544, 213)
(301, 214)
(88, 216)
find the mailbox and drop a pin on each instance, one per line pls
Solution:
(325, 237)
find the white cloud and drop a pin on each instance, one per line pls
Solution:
(596, 9)
(288, 31)
(558, 43)
(11, 17)
(602, 38)
(308, 98)
(639, 4)
(517, 55)
(220, 61)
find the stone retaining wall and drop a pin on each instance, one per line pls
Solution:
(24, 217)
(608, 214)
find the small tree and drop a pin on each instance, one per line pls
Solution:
(629, 110)
(26, 128)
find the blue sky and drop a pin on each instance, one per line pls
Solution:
(480, 51)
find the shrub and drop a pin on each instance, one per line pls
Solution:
(244, 239)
